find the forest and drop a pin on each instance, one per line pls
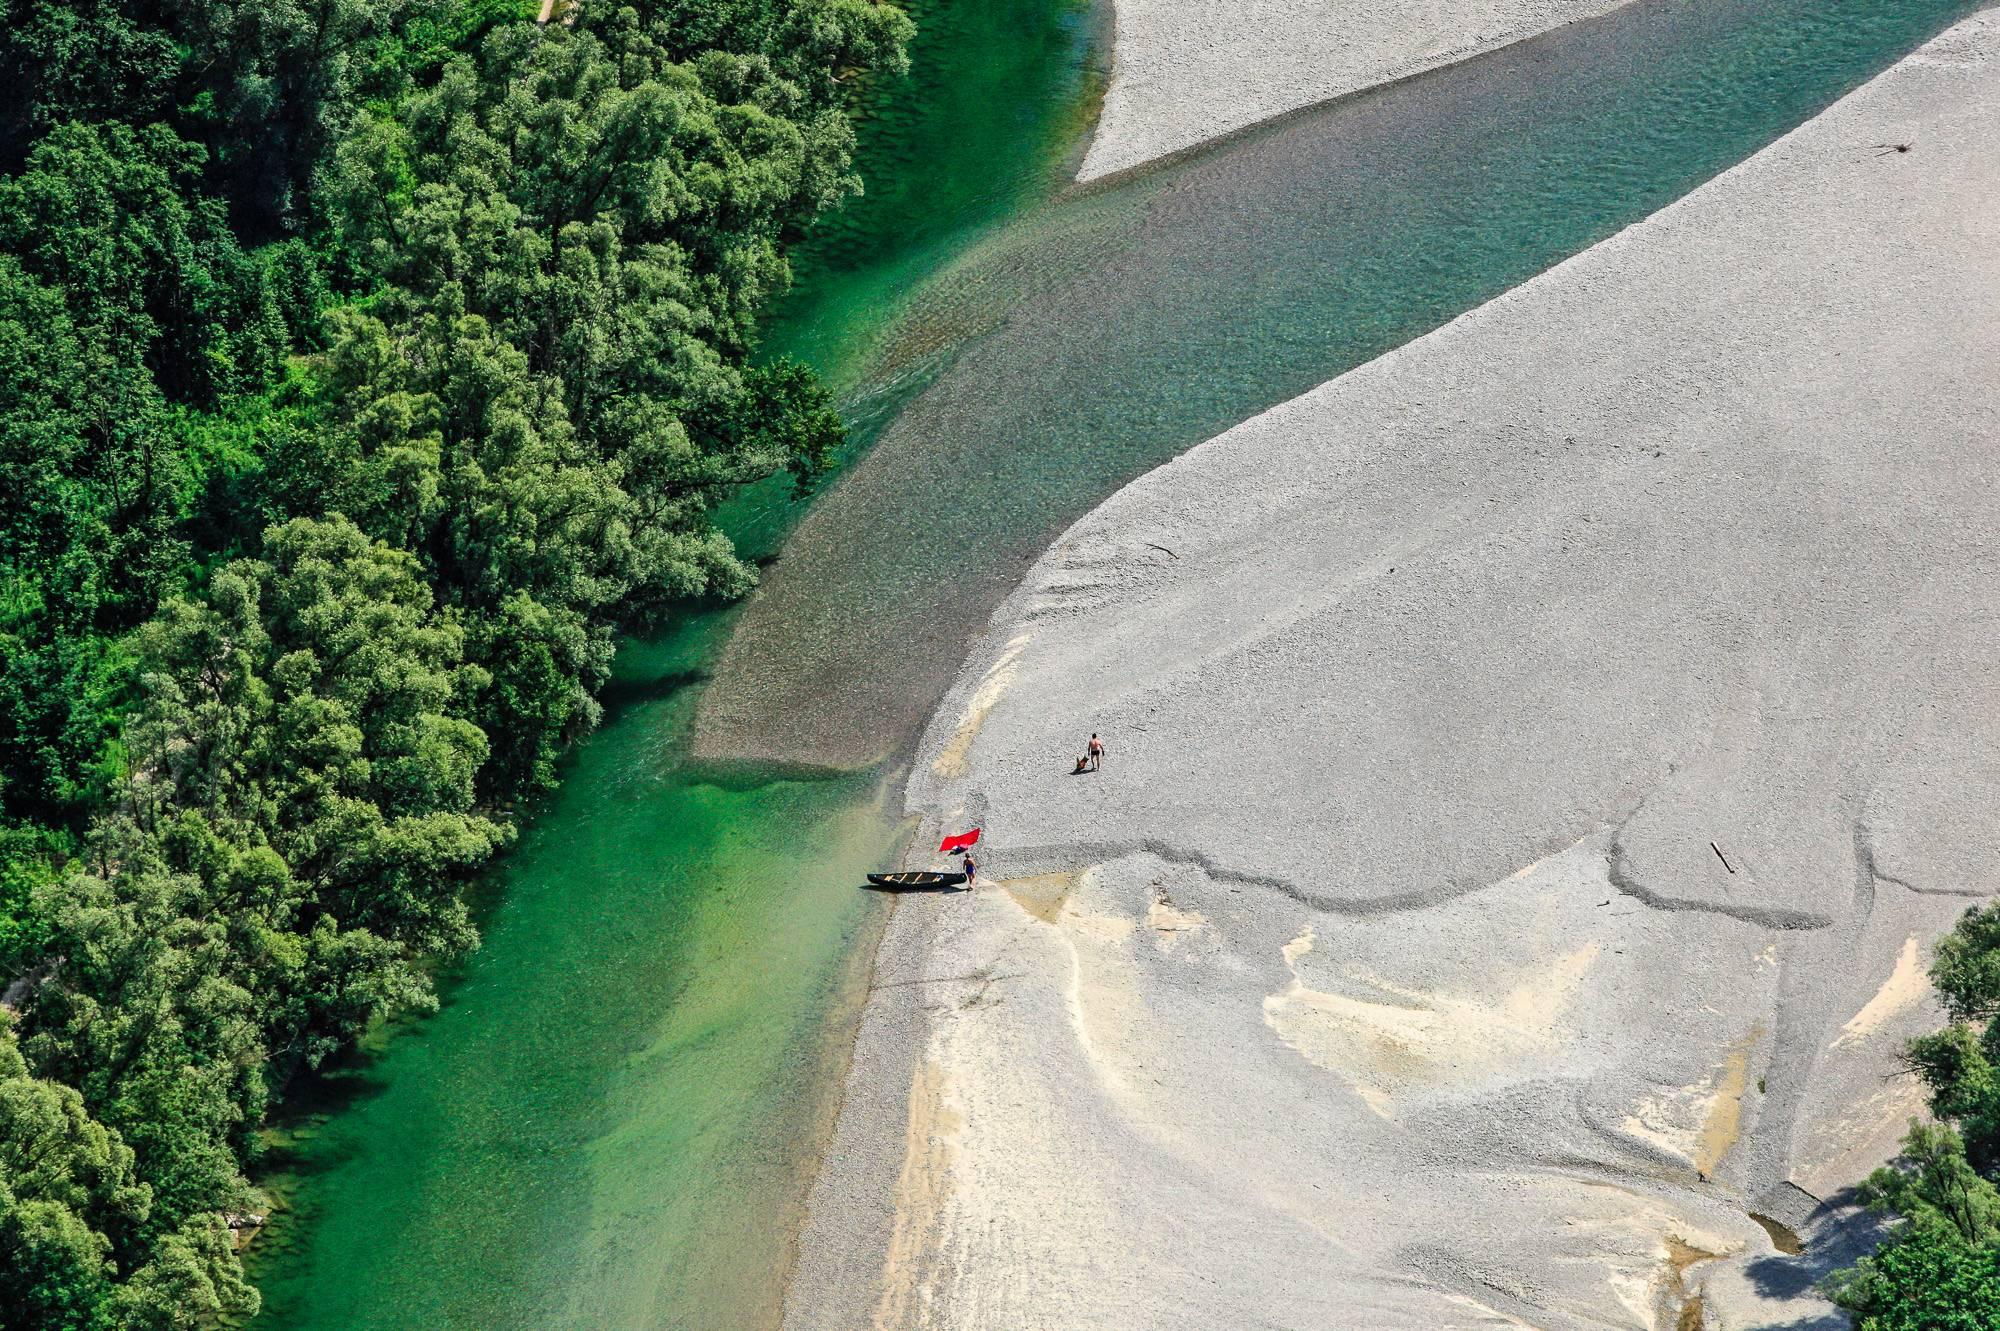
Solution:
(367, 367)
(1939, 1267)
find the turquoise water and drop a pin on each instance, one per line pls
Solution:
(601, 1128)
(991, 118)
(995, 104)
(1112, 330)
(611, 1123)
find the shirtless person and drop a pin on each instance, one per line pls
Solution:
(1096, 752)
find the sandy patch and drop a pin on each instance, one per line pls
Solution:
(1724, 1123)
(951, 758)
(1683, 1303)
(1042, 895)
(921, 1193)
(1386, 1038)
(1170, 923)
(1647, 1256)
(921, 1196)
(1908, 985)
(1843, 1144)
(1703, 1121)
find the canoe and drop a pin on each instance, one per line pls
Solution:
(908, 880)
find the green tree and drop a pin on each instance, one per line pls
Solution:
(192, 1277)
(66, 1184)
(1939, 1268)
(1931, 1181)
(28, 856)
(313, 701)
(1925, 1279)
(1966, 970)
(122, 302)
(263, 85)
(365, 367)
(55, 1271)
(145, 1021)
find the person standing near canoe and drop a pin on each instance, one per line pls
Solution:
(962, 844)
(1096, 751)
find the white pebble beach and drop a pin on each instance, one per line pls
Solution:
(1188, 71)
(1539, 762)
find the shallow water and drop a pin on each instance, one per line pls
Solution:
(992, 119)
(612, 1122)
(1118, 327)
(599, 1129)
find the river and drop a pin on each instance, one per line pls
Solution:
(612, 1122)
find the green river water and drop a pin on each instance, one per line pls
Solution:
(611, 1123)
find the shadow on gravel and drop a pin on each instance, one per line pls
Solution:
(937, 890)
(1842, 1234)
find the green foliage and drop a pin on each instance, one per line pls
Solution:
(1956, 1065)
(144, 1019)
(124, 303)
(1960, 1065)
(28, 857)
(1939, 1269)
(1967, 969)
(1931, 1182)
(787, 413)
(310, 703)
(365, 367)
(73, 1214)
(263, 86)
(1926, 1279)
(57, 1272)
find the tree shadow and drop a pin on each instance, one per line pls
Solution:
(291, 1140)
(1785, 1277)
(1842, 1233)
(619, 695)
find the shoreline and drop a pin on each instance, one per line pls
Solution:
(836, 1055)
(891, 1070)
(837, 1283)
(1228, 283)
(1233, 88)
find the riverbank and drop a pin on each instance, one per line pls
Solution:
(1100, 335)
(1539, 759)
(550, 1148)
(1185, 72)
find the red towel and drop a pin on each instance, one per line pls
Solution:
(959, 842)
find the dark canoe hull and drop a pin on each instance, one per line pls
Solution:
(916, 880)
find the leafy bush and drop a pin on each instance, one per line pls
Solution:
(365, 365)
(1939, 1269)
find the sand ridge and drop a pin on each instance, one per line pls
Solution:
(1184, 72)
(1668, 576)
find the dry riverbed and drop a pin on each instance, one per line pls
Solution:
(1539, 762)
